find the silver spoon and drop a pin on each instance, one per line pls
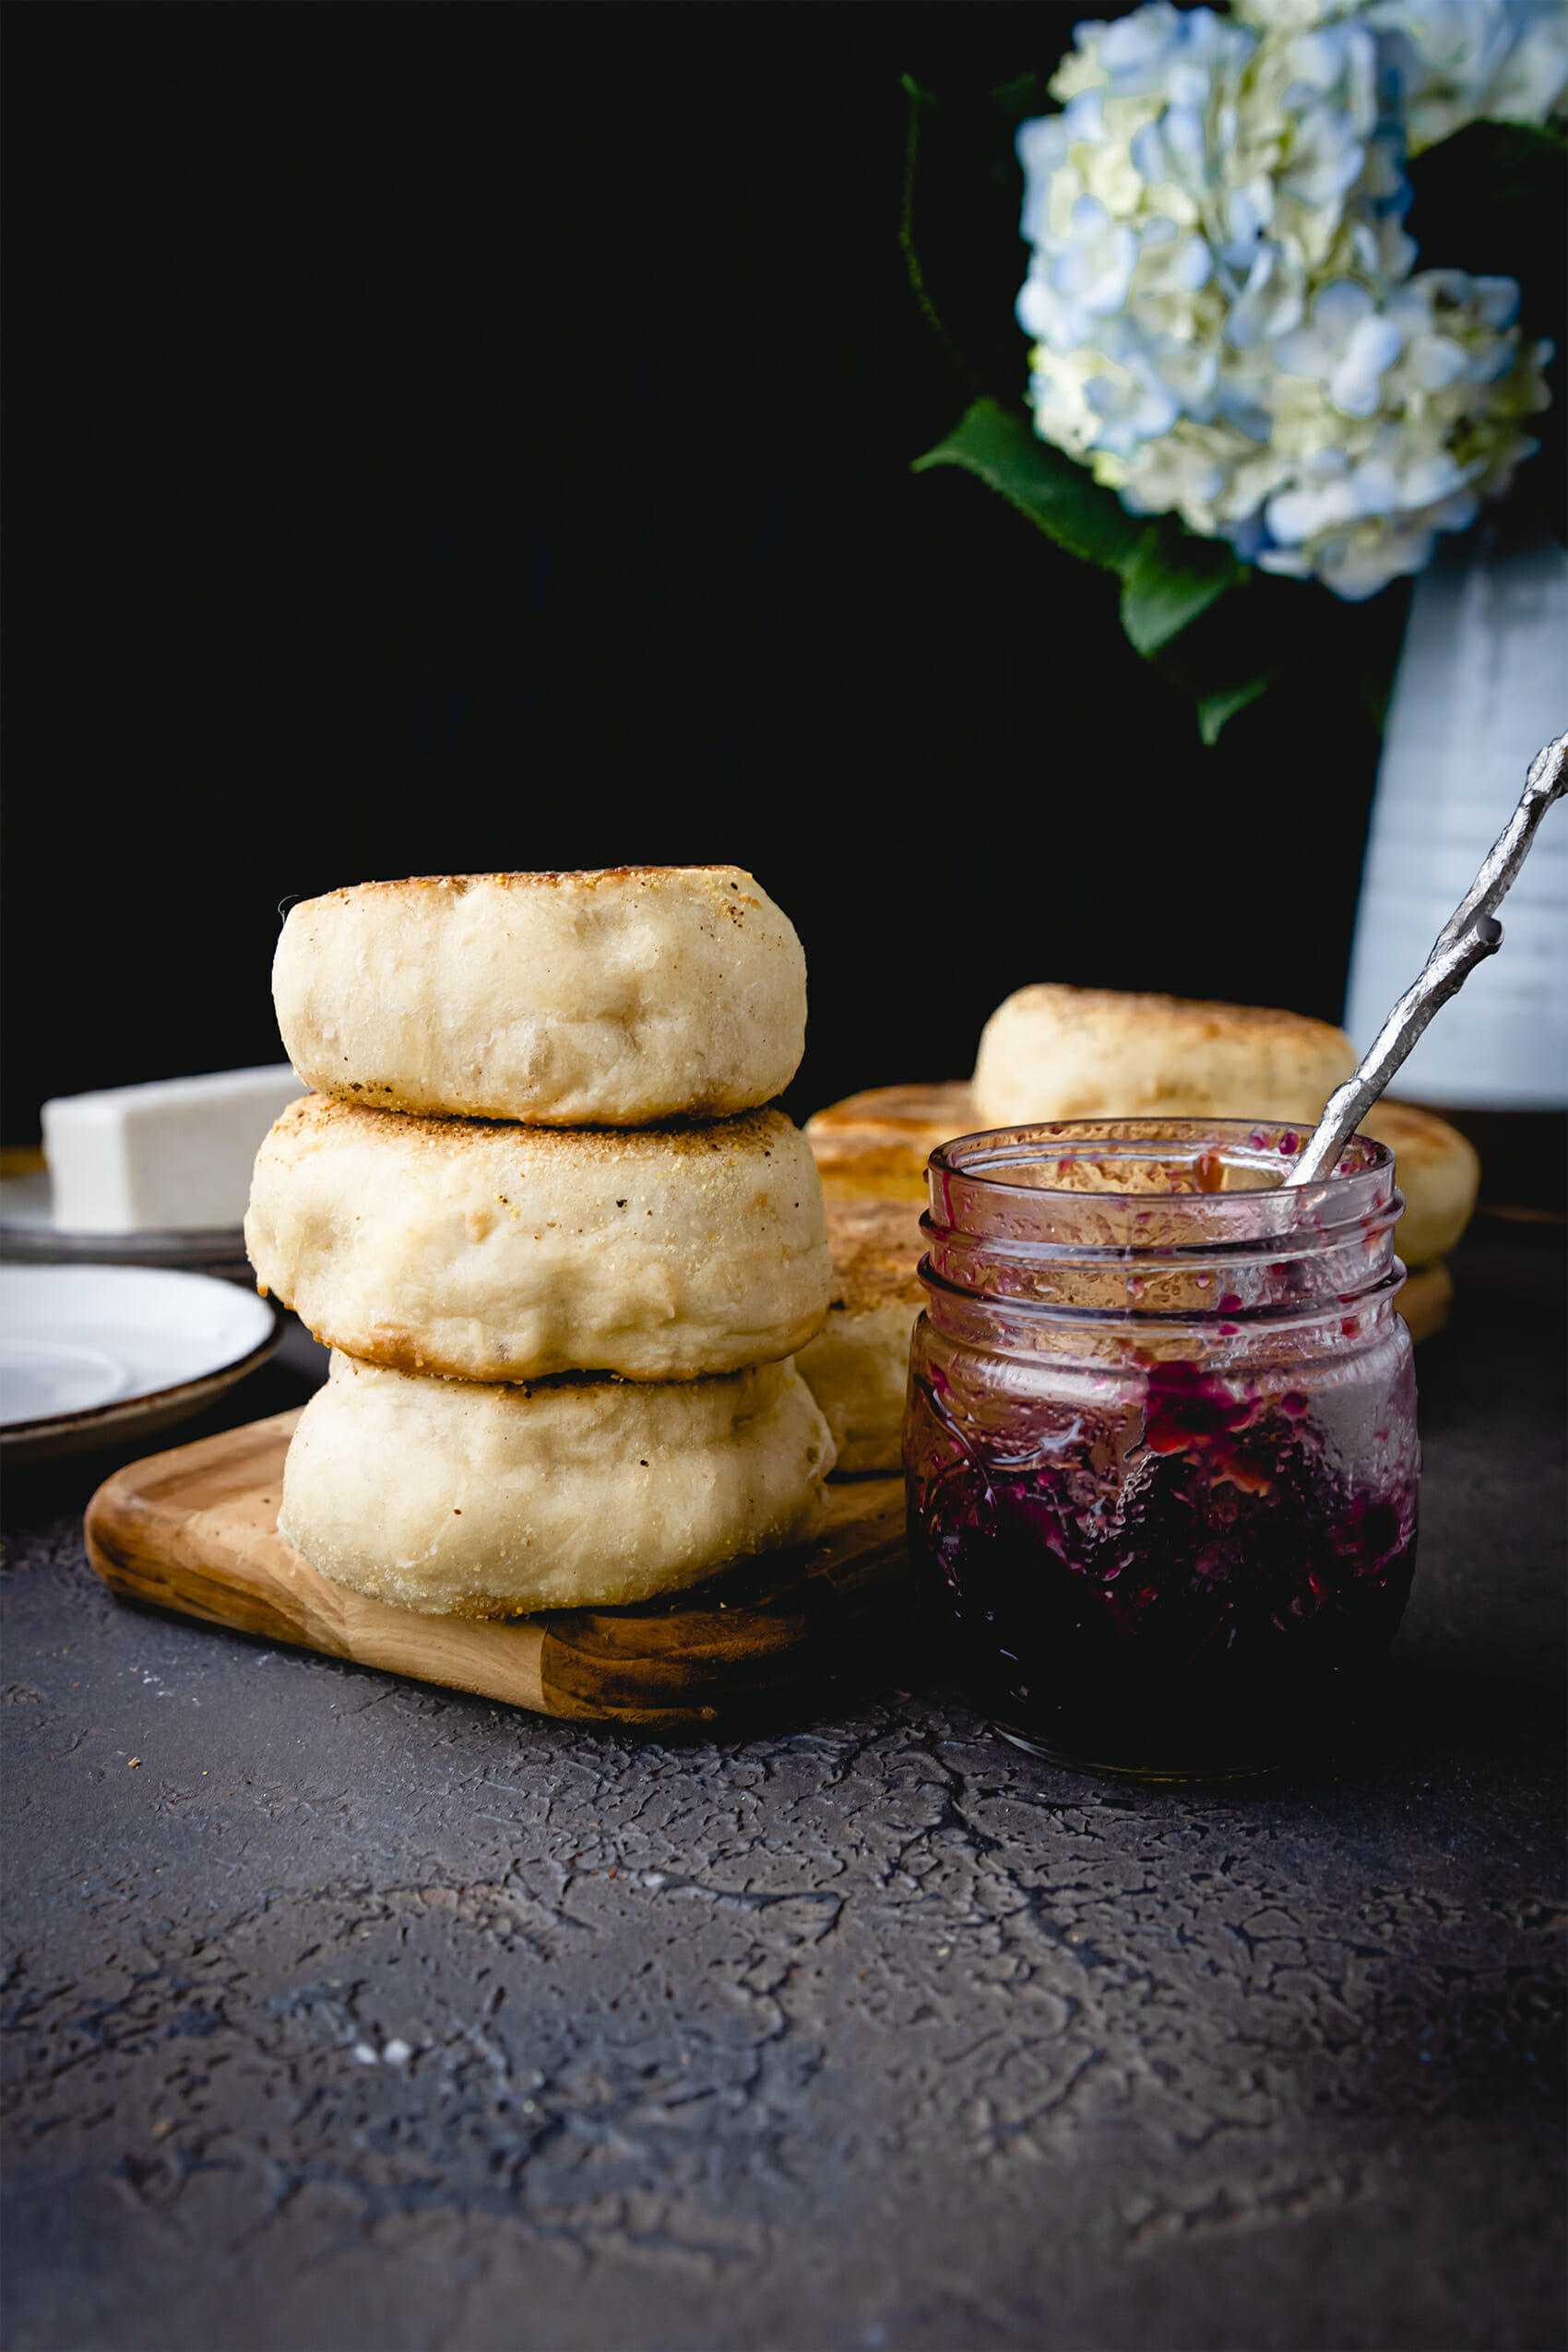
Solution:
(1466, 939)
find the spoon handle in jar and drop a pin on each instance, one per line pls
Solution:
(1471, 934)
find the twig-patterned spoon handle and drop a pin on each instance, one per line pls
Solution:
(1471, 934)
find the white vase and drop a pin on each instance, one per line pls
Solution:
(1482, 684)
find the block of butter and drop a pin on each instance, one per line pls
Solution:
(173, 1157)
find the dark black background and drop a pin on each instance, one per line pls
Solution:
(456, 436)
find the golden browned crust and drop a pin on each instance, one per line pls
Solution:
(874, 1146)
(877, 1246)
(853, 1170)
(458, 883)
(319, 1117)
(1192, 1016)
(940, 1110)
(1437, 1169)
(1419, 1139)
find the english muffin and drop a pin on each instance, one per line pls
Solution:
(1057, 1052)
(1437, 1169)
(875, 1146)
(600, 999)
(465, 1501)
(858, 1367)
(1425, 1299)
(492, 1251)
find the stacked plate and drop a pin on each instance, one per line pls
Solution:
(29, 1236)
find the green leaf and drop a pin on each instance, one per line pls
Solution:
(1170, 577)
(1232, 653)
(1060, 497)
(1026, 95)
(1216, 708)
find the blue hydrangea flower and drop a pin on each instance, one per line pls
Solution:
(1225, 323)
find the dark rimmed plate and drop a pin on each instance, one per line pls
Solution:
(93, 1355)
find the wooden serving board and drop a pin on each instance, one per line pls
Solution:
(197, 1530)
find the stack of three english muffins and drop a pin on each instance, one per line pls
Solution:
(561, 1249)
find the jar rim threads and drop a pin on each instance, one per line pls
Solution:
(984, 1175)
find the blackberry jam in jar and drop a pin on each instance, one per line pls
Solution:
(1160, 1440)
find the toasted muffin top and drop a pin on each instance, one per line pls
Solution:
(933, 1114)
(1052, 1052)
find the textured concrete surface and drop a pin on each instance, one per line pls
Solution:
(342, 2013)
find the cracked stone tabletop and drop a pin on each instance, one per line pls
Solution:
(343, 2013)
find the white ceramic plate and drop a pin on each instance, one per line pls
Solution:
(92, 1355)
(29, 1236)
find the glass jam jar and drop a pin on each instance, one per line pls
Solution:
(1160, 1438)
